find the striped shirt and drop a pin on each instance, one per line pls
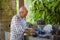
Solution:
(18, 25)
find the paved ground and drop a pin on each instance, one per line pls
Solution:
(37, 38)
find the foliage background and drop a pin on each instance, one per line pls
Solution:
(48, 10)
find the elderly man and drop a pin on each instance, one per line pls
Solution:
(18, 24)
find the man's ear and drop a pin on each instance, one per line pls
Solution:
(27, 11)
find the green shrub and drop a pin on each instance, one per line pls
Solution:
(48, 10)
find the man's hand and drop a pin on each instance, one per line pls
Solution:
(29, 31)
(26, 31)
(32, 31)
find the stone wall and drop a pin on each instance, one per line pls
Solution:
(7, 13)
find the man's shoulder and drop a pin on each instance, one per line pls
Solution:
(16, 17)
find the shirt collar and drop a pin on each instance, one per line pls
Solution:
(20, 17)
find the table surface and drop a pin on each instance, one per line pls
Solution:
(30, 37)
(38, 38)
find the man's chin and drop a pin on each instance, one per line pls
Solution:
(24, 17)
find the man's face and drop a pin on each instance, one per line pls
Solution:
(23, 13)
